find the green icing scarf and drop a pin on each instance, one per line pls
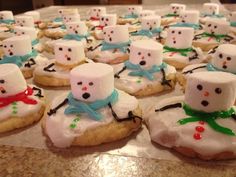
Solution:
(183, 52)
(216, 36)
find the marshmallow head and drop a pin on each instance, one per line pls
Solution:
(92, 81)
(71, 18)
(177, 8)
(12, 80)
(62, 12)
(189, 16)
(34, 14)
(79, 28)
(225, 58)
(6, 15)
(145, 13)
(116, 34)
(232, 16)
(179, 37)
(27, 21)
(216, 26)
(17, 46)
(211, 8)
(108, 19)
(96, 12)
(146, 53)
(150, 22)
(134, 9)
(69, 52)
(18, 31)
(210, 91)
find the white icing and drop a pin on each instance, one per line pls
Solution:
(165, 130)
(58, 125)
(132, 84)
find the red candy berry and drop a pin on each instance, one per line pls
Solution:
(201, 122)
(197, 136)
(200, 128)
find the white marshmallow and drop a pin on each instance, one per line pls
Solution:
(96, 12)
(225, 58)
(6, 15)
(71, 18)
(232, 16)
(217, 26)
(210, 91)
(211, 8)
(145, 13)
(146, 53)
(179, 37)
(79, 28)
(176, 8)
(18, 31)
(108, 19)
(134, 10)
(34, 14)
(116, 34)
(69, 52)
(189, 16)
(12, 80)
(17, 45)
(150, 22)
(92, 81)
(27, 21)
(62, 12)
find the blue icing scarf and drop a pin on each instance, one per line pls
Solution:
(58, 19)
(63, 26)
(210, 67)
(34, 42)
(190, 25)
(148, 33)
(7, 21)
(131, 16)
(18, 60)
(76, 37)
(213, 15)
(121, 46)
(233, 24)
(138, 71)
(77, 107)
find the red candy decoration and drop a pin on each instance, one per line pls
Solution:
(201, 122)
(200, 128)
(94, 18)
(197, 136)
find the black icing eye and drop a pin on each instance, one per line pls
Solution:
(199, 87)
(155, 23)
(220, 55)
(112, 32)
(79, 83)
(11, 46)
(149, 54)
(209, 25)
(60, 48)
(215, 26)
(107, 19)
(218, 90)
(102, 19)
(147, 23)
(99, 10)
(23, 33)
(69, 50)
(139, 53)
(5, 46)
(104, 33)
(15, 32)
(228, 58)
(179, 32)
(90, 83)
(173, 32)
(2, 81)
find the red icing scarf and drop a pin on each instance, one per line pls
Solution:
(94, 18)
(23, 96)
(100, 27)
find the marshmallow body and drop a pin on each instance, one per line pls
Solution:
(92, 81)
(116, 34)
(71, 18)
(216, 26)
(18, 31)
(232, 16)
(6, 15)
(134, 10)
(150, 22)
(146, 53)
(210, 91)
(34, 14)
(211, 8)
(96, 12)
(179, 37)
(189, 16)
(69, 52)
(225, 58)
(145, 13)
(17, 46)
(25, 20)
(176, 8)
(79, 28)
(12, 80)
(108, 19)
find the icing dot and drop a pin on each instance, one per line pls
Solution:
(72, 126)
(200, 128)
(201, 122)
(197, 136)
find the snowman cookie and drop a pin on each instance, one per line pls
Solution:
(94, 112)
(114, 48)
(68, 55)
(202, 122)
(18, 50)
(94, 16)
(131, 16)
(223, 59)
(173, 15)
(6, 24)
(144, 73)
(178, 49)
(105, 20)
(20, 104)
(150, 29)
(232, 20)
(216, 32)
